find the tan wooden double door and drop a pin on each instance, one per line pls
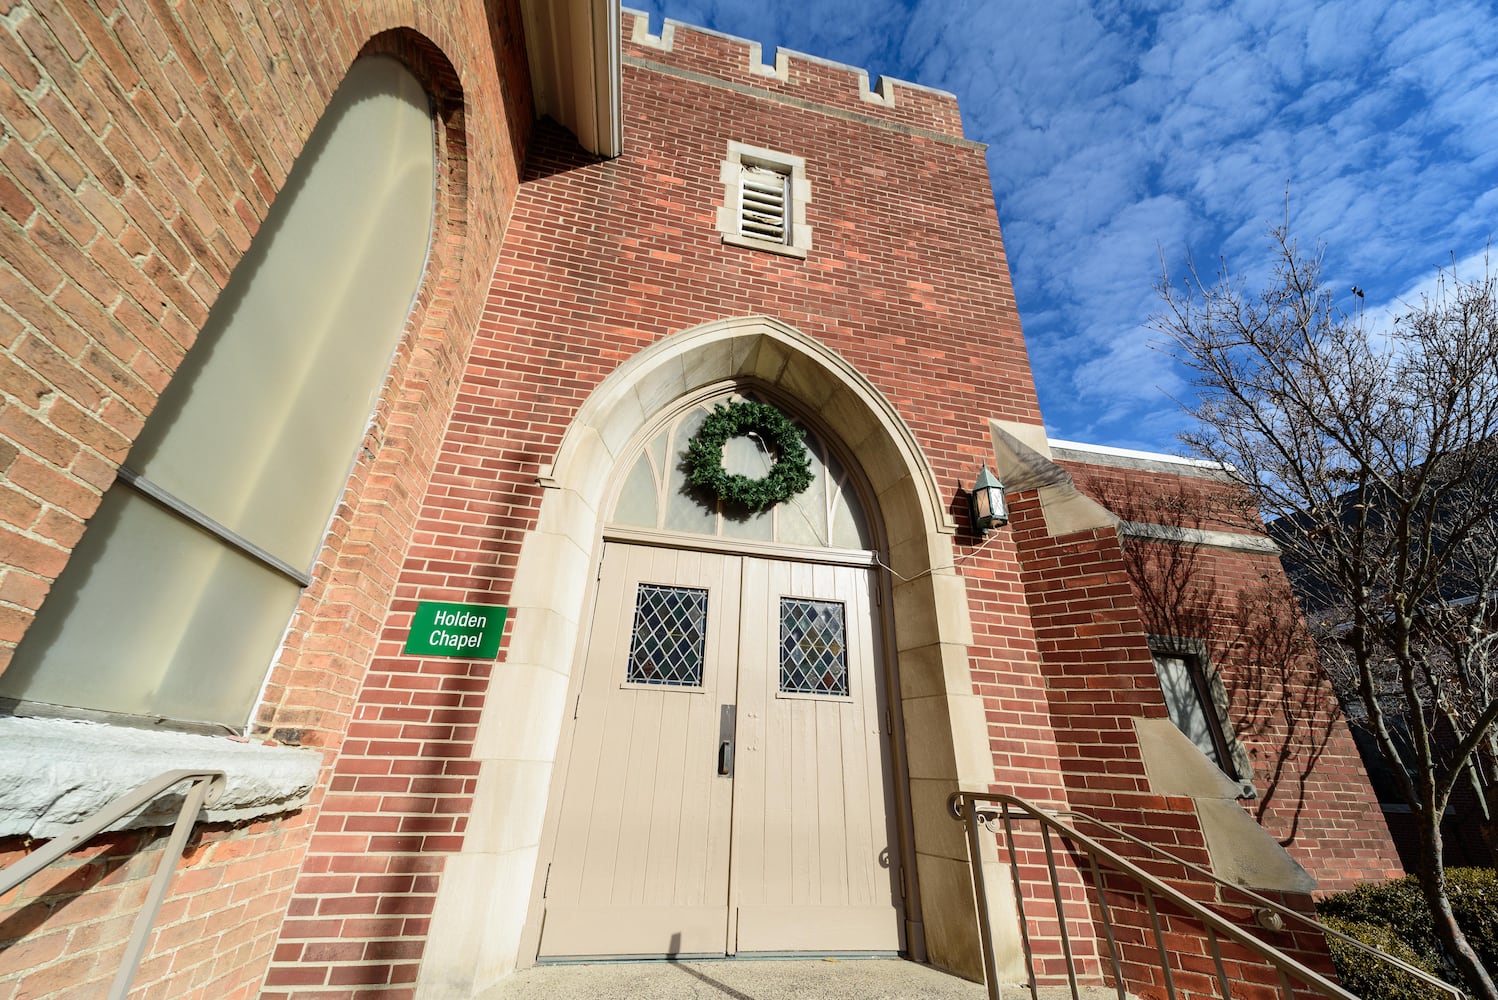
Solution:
(726, 816)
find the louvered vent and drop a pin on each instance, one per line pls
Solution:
(762, 198)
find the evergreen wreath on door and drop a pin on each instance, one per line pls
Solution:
(790, 475)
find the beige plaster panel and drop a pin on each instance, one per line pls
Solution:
(969, 716)
(1241, 851)
(660, 386)
(710, 363)
(804, 379)
(767, 361)
(901, 506)
(509, 806)
(542, 638)
(475, 931)
(848, 415)
(930, 609)
(565, 512)
(1003, 919)
(950, 918)
(623, 418)
(1176, 766)
(926, 757)
(932, 670)
(1245, 854)
(552, 573)
(936, 832)
(527, 719)
(1024, 463)
(963, 757)
(920, 553)
(589, 459)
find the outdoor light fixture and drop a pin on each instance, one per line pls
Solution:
(987, 502)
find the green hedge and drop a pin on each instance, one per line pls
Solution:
(1474, 900)
(1370, 978)
(1392, 917)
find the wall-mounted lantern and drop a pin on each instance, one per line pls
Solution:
(989, 508)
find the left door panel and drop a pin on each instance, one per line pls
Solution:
(642, 850)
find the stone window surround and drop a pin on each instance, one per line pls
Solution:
(798, 233)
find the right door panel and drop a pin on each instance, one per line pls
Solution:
(814, 856)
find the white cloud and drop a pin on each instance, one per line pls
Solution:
(1121, 130)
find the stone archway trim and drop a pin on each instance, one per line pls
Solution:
(493, 885)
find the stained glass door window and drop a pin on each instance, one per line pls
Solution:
(669, 635)
(813, 647)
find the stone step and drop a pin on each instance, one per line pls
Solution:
(759, 979)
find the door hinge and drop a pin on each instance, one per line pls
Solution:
(889, 721)
(575, 706)
(903, 889)
(546, 883)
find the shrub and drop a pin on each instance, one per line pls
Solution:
(1368, 977)
(1397, 905)
(1474, 900)
(1395, 912)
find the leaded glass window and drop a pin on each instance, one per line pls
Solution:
(667, 642)
(813, 647)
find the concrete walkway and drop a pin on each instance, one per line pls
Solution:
(756, 979)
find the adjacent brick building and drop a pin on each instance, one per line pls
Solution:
(626, 229)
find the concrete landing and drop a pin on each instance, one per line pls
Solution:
(756, 979)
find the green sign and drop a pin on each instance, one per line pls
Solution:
(467, 630)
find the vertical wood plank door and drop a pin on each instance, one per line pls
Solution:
(640, 865)
(814, 851)
(658, 851)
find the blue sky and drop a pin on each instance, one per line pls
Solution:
(1119, 133)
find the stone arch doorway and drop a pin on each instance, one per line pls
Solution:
(487, 919)
(727, 778)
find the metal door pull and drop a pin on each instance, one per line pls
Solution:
(725, 757)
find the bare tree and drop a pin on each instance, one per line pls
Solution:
(1373, 453)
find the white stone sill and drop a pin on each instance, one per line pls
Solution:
(56, 772)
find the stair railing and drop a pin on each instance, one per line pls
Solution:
(982, 811)
(205, 789)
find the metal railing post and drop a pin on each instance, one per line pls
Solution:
(197, 793)
(980, 899)
(205, 788)
(1292, 974)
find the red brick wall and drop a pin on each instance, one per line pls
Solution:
(1090, 625)
(906, 279)
(143, 146)
(1314, 794)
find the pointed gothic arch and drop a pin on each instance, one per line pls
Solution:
(490, 889)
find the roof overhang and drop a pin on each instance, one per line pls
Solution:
(573, 47)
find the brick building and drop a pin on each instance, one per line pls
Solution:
(314, 316)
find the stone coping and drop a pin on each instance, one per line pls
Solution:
(56, 772)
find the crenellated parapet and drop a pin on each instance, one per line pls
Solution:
(793, 75)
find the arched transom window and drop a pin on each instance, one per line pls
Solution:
(655, 494)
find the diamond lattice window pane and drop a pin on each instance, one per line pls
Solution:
(669, 635)
(813, 647)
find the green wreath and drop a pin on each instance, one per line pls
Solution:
(790, 475)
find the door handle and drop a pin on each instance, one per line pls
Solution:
(725, 757)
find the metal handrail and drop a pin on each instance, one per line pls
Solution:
(206, 787)
(1269, 906)
(968, 806)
